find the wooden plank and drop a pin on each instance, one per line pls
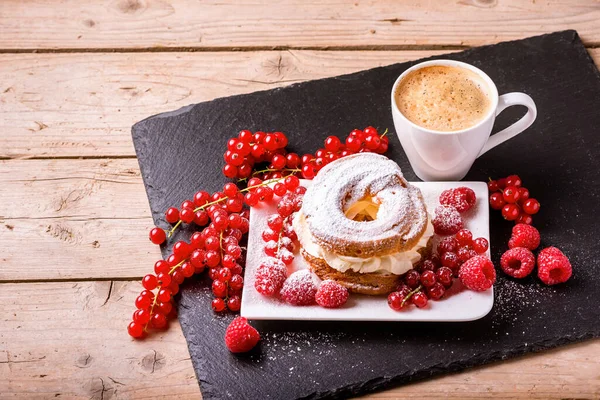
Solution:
(131, 24)
(74, 219)
(86, 103)
(69, 338)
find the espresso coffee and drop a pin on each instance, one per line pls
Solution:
(443, 98)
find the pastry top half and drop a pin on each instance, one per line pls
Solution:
(366, 183)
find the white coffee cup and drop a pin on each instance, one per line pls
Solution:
(448, 156)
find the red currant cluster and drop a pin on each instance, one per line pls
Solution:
(215, 248)
(434, 275)
(367, 140)
(509, 195)
(251, 148)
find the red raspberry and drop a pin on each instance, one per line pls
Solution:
(462, 198)
(524, 235)
(447, 221)
(553, 266)
(518, 262)
(299, 289)
(269, 276)
(240, 336)
(331, 294)
(478, 273)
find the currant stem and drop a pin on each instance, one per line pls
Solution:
(175, 267)
(264, 183)
(410, 294)
(384, 133)
(152, 308)
(291, 170)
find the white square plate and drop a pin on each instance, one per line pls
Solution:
(457, 305)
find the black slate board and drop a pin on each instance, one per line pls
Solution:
(557, 158)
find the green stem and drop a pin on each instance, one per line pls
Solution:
(384, 133)
(410, 294)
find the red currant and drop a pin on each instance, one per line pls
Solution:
(187, 204)
(158, 320)
(513, 180)
(181, 249)
(202, 197)
(173, 260)
(236, 282)
(135, 330)
(275, 222)
(157, 235)
(142, 302)
(511, 212)
(372, 142)
(428, 278)
(523, 195)
(212, 259)
(234, 303)
(480, 245)
(225, 273)
(251, 199)
(444, 276)
(172, 215)
(501, 183)
(164, 308)
(161, 266)
(309, 171)
(493, 186)
(291, 182)
(464, 237)
(396, 300)
(419, 299)
(436, 291)
(524, 218)
(149, 282)
(187, 269)
(497, 201)
(511, 194)
(292, 160)
(230, 171)
(279, 189)
(370, 131)
(278, 161)
(245, 136)
(219, 289)
(353, 143)
(164, 279)
(450, 260)
(218, 305)
(141, 316)
(201, 218)
(187, 215)
(531, 206)
(448, 244)
(412, 279)
(333, 143)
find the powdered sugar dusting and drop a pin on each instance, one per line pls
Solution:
(350, 179)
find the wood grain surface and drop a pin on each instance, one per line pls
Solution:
(85, 107)
(143, 24)
(73, 213)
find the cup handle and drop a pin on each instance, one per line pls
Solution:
(504, 101)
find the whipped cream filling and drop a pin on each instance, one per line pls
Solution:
(395, 263)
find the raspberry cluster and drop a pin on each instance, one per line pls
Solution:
(510, 196)
(271, 277)
(453, 202)
(458, 255)
(519, 261)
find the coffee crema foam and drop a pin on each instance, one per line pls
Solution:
(443, 98)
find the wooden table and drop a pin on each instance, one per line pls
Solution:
(74, 217)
